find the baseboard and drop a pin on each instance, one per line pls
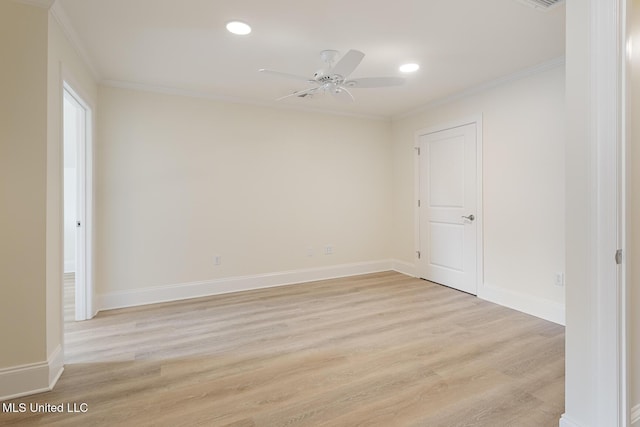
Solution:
(56, 366)
(568, 422)
(404, 267)
(539, 307)
(635, 419)
(635, 416)
(182, 291)
(24, 380)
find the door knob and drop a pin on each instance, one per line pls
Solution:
(470, 217)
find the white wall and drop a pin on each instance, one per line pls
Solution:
(182, 180)
(523, 180)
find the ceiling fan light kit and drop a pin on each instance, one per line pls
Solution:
(334, 78)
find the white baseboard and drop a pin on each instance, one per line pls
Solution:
(635, 419)
(153, 295)
(635, 416)
(539, 307)
(24, 380)
(404, 267)
(56, 366)
(567, 422)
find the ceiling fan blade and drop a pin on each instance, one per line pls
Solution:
(286, 75)
(342, 94)
(374, 82)
(299, 92)
(348, 63)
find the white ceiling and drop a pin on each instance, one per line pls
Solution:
(182, 45)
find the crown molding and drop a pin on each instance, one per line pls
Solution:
(536, 69)
(142, 87)
(61, 17)
(45, 4)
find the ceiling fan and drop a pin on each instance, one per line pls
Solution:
(335, 78)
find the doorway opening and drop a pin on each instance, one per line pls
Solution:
(77, 131)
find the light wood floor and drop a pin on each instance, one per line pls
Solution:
(374, 350)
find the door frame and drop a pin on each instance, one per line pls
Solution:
(84, 290)
(477, 120)
(596, 390)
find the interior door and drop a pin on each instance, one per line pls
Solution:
(448, 217)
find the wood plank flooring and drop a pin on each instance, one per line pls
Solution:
(375, 350)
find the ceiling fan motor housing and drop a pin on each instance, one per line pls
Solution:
(318, 75)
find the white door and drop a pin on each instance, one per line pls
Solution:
(448, 215)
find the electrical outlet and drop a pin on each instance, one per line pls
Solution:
(217, 259)
(328, 250)
(559, 279)
(309, 251)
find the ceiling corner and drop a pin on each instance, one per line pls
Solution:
(60, 15)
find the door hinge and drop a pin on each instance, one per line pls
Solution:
(619, 256)
(418, 252)
(418, 203)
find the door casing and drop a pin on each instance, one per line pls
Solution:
(84, 306)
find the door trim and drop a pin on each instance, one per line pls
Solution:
(596, 389)
(607, 205)
(477, 120)
(84, 301)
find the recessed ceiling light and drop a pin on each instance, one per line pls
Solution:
(409, 68)
(239, 28)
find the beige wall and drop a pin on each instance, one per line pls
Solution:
(23, 156)
(523, 181)
(633, 205)
(64, 64)
(34, 52)
(181, 180)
